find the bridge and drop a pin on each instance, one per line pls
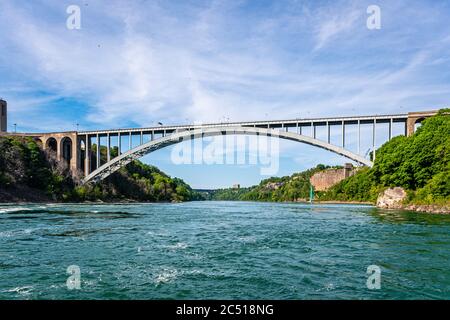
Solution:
(81, 150)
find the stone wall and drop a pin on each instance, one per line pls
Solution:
(325, 179)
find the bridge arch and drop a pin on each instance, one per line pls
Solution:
(177, 137)
(418, 123)
(51, 145)
(66, 150)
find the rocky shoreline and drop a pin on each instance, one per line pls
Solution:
(428, 208)
(394, 198)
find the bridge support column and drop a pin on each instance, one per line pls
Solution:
(87, 156)
(359, 136)
(98, 152)
(79, 158)
(58, 149)
(390, 129)
(410, 125)
(328, 132)
(119, 144)
(74, 161)
(343, 134)
(374, 137)
(129, 141)
(108, 148)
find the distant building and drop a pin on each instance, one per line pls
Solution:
(236, 186)
(3, 116)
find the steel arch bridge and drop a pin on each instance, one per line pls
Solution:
(113, 165)
(80, 150)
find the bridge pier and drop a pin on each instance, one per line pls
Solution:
(87, 156)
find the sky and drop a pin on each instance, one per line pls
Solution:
(136, 63)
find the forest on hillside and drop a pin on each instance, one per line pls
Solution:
(27, 173)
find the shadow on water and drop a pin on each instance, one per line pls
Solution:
(79, 233)
(412, 217)
(32, 213)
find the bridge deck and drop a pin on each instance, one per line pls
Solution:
(262, 124)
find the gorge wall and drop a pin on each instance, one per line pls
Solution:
(327, 178)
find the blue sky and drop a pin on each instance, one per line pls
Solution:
(135, 63)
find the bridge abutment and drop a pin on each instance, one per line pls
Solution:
(415, 118)
(66, 148)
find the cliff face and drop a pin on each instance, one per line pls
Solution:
(324, 180)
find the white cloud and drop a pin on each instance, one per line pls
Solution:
(333, 23)
(140, 62)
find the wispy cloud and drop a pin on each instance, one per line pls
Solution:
(332, 24)
(136, 63)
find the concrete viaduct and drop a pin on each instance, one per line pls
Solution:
(80, 151)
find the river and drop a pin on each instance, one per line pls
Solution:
(221, 250)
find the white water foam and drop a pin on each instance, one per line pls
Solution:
(14, 209)
(165, 276)
(178, 245)
(24, 291)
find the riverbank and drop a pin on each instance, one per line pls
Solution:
(435, 209)
(345, 202)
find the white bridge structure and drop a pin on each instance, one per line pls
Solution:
(97, 154)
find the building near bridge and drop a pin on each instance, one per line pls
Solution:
(3, 116)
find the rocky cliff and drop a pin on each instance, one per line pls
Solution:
(324, 180)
